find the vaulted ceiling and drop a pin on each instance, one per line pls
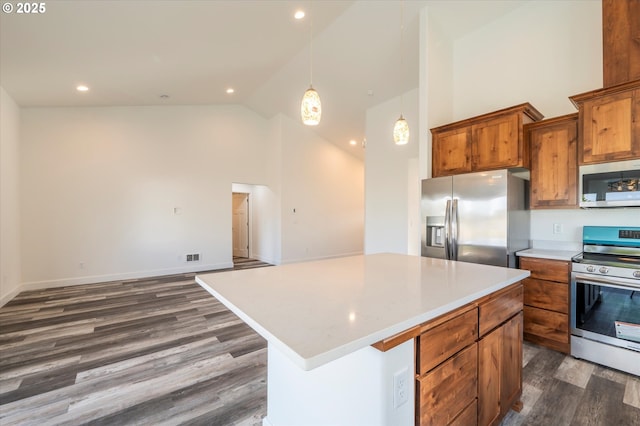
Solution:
(165, 52)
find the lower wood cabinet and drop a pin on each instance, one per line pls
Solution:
(469, 362)
(499, 371)
(546, 303)
(449, 389)
(447, 367)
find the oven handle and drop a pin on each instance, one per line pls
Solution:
(585, 279)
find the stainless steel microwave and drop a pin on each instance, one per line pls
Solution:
(615, 184)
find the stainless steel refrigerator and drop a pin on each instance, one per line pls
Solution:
(478, 217)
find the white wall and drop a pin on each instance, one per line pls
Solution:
(542, 53)
(390, 201)
(100, 186)
(436, 83)
(322, 197)
(10, 275)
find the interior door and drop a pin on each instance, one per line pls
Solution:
(240, 224)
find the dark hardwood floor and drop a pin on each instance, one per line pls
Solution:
(162, 351)
(150, 351)
(561, 390)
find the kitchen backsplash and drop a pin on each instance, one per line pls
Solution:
(562, 229)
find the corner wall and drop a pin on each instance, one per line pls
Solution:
(322, 197)
(10, 261)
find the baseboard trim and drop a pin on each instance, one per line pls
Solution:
(93, 279)
(310, 259)
(7, 297)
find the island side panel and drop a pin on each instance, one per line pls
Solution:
(356, 389)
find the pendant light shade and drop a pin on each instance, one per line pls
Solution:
(401, 128)
(311, 108)
(401, 131)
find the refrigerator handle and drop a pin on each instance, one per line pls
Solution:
(454, 230)
(447, 230)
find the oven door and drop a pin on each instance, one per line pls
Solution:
(606, 309)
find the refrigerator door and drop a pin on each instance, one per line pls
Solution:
(436, 196)
(481, 217)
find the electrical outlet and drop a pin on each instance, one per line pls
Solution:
(557, 228)
(401, 388)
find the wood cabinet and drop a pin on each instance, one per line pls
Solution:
(469, 362)
(609, 124)
(546, 303)
(500, 355)
(451, 152)
(486, 142)
(554, 162)
(620, 41)
(447, 368)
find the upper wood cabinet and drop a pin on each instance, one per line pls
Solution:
(486, 142)
(620, 41)
(554, 162)
(609, 124)
(451, 153)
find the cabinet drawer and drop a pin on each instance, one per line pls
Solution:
(550, 295)
(442, 341)
(469, 417)
(446, 391)
(546, 269)
(546, 328)
(498, 308)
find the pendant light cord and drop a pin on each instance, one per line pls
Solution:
(311, 45)
(401, 53)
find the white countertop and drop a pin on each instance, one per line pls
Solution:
(316, 312)
(548, 254)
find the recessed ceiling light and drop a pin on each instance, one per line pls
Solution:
(299, 14)
(352, 142)
(230, 90)
(82, 88)
(164, 96)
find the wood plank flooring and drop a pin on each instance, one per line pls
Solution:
(561, 390)
(151, 351)
(162, 351)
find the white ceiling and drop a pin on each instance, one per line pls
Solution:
(132, 52)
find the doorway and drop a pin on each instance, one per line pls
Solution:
(240, 224)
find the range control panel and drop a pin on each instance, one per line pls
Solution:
(629, 233)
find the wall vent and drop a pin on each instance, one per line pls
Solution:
(193, 257)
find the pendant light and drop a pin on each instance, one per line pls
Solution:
(401, 128)
(311, 108)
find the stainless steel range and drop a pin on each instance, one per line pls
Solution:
(605, 298)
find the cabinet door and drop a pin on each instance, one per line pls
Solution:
(611, 128)
(499, 371)
(489, 360)
(511, 367)
(496, 143)
(451, 152)
(554, 164)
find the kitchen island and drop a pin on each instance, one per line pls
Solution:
(321, 318)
